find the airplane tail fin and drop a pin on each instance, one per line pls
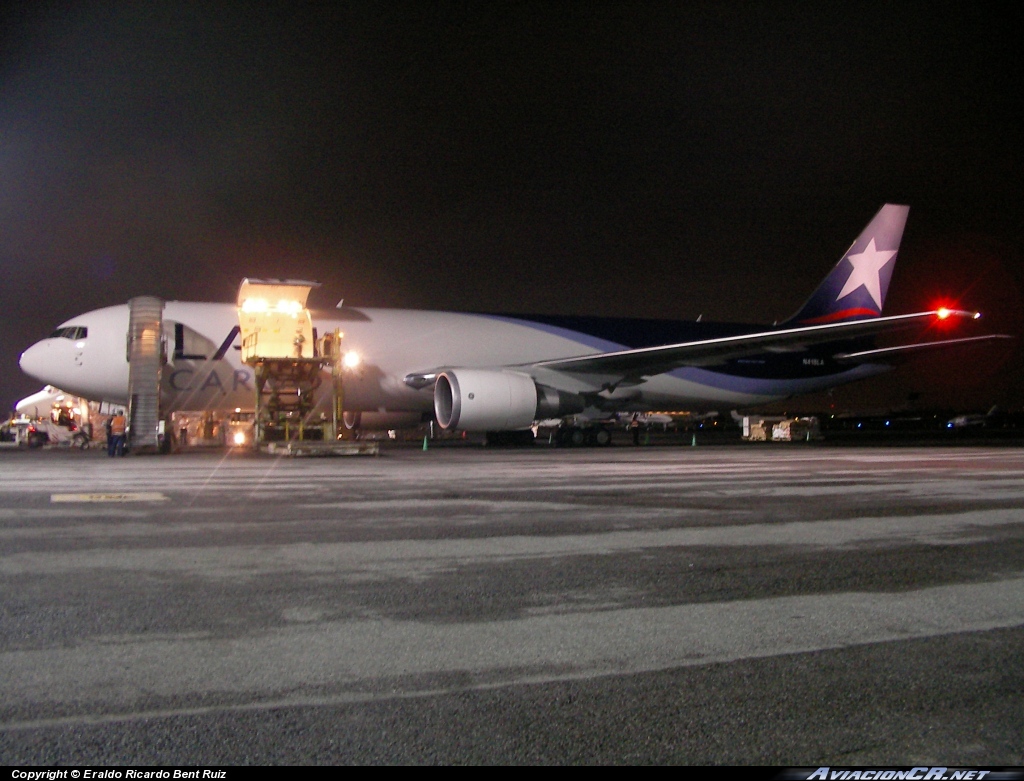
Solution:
(856, 287)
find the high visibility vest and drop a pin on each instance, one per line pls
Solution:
(117, 424)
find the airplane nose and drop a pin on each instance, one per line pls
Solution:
(33, 361)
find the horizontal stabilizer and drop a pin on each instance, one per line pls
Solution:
(905, 351)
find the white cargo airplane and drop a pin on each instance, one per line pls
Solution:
(479, 372)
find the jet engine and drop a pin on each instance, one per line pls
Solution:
(497, 400)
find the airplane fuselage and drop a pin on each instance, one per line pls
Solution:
(204, 370)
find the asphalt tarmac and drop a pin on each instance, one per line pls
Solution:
(796, 605)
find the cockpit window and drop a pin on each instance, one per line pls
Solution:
(73, 332)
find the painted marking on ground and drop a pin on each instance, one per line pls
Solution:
(152, 496)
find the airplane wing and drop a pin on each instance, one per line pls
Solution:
(649, 361)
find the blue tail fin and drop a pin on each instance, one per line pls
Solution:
(857, 285)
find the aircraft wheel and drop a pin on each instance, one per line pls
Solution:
(577, 437)
(602, 437)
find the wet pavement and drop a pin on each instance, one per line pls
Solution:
(736, 604)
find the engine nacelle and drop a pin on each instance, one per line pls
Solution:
(484, 400)
(496, 400)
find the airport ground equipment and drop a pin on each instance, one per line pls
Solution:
(289, 363)
(780, 429)
(312, 449)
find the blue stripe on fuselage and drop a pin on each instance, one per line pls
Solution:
(585, 339)
(626, 333)
(776, 387)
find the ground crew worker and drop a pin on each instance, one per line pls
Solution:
(117, 433)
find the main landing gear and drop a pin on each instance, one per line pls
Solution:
(575, 436)
(563, 436)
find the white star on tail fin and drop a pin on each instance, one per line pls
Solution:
(866, 266)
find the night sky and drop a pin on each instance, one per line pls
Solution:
(608, 159)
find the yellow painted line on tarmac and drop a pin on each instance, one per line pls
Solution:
(110, 497)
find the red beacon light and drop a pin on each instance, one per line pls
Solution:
(945, 313)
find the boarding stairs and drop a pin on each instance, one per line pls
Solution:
(145, 361)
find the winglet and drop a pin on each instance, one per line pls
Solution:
(856, 287)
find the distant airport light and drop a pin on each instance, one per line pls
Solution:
(239, 438)
(943, 313)
(351, 359)
(977, 315)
